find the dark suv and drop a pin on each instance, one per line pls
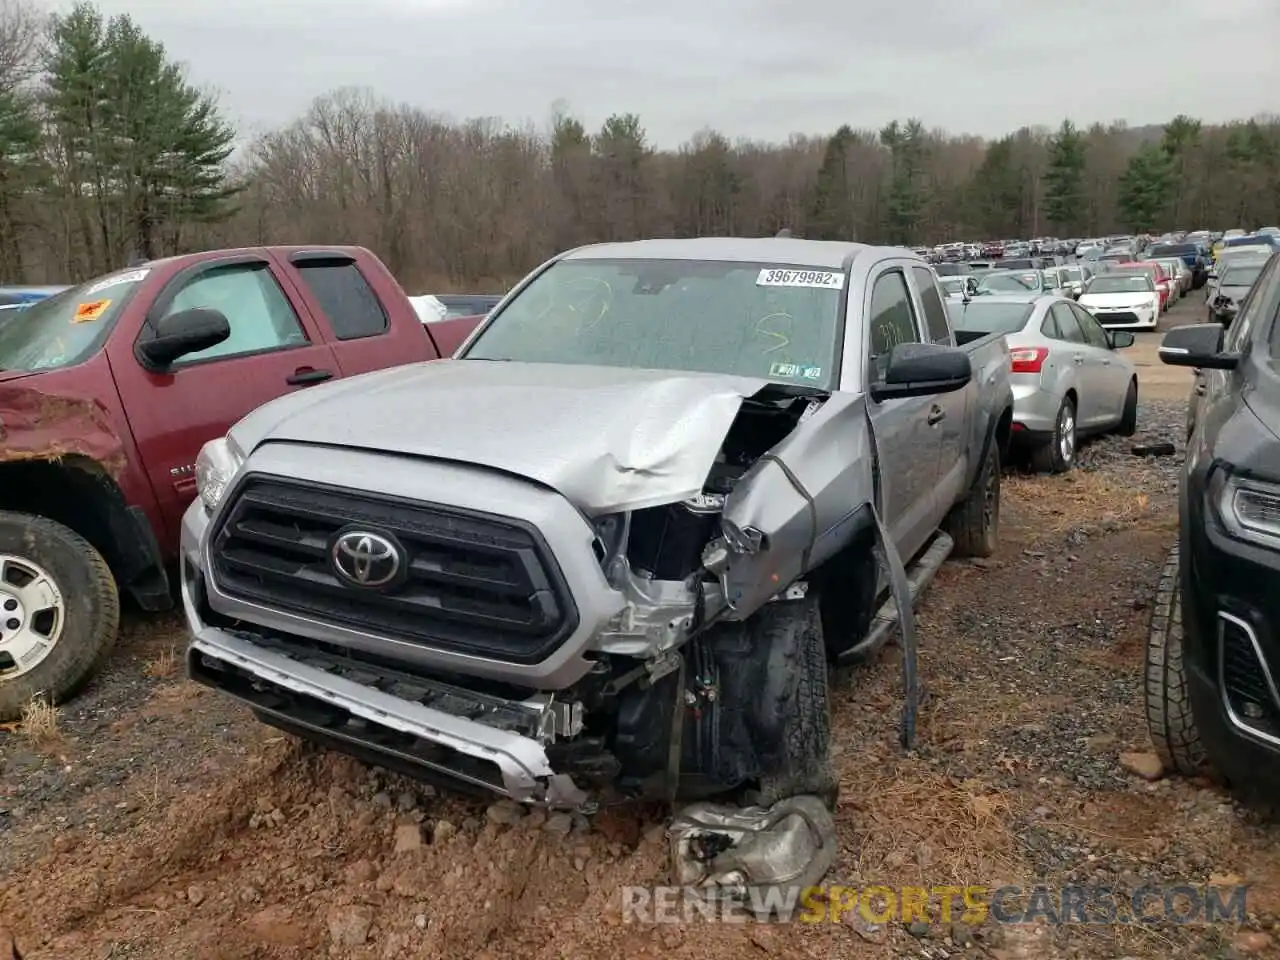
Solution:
(1213, 658)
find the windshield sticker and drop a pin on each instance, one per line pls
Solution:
(795, 371)
(133, 276)
(88, 312)
(820, 279)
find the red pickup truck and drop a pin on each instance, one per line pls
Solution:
(109, 389)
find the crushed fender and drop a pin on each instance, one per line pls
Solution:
(37, 425)
(760, 859)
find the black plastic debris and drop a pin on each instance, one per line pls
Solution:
(1154, 450)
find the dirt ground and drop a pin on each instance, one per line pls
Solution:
(151, 819)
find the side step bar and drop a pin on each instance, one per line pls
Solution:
(919, 576)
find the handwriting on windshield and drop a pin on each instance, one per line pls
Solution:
(782, 340)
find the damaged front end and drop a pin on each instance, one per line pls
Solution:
(628, 673)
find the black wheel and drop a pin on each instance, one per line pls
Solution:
(974, 523)
(1058, 455)
(59, 611)
(1129, 418)
(1173, 727)
(793, 730)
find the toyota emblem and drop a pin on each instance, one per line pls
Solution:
(366, 559)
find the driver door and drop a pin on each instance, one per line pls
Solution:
(907, 438)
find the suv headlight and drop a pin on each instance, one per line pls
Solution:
(1250, 510)
(216, 466)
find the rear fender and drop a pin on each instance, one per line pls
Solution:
(799, 504)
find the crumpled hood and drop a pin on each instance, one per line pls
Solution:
(606, 438)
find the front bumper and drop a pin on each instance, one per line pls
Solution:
(387, 700)
(1145, 318)
(403, 732)
(1231, 621)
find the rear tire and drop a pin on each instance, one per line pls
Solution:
(974, 523)
(80, 627)
(794, 742)
(1129, 418)
(1058, 455)
(1174, 733)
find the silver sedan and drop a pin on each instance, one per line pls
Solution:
(1068, 380)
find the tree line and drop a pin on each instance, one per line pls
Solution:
(109, 153)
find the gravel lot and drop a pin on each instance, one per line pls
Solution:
(158, 821)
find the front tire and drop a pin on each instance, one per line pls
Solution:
(1058, 455)
(1174, 733)
(794, 743)
(59, 611)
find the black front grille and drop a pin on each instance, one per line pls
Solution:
(476, 583)
(1245, 681)
(1116, 317)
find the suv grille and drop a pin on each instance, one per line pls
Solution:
(474, 583)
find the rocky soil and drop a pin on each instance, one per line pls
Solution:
(159, 821)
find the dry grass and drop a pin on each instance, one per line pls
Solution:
(922, 827)
(1055, 504)
(39, 723)
(162, 665)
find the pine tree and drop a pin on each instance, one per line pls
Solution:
(1064, 199)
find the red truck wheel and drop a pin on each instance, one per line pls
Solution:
(59, 611)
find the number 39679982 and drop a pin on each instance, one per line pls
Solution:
(774, 277)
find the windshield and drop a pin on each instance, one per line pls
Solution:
(1120, 283)
(1073, 273)
(746, 319)
(981, 316)
(1030, 282)
(1247, 242)
(1241, 275)
(67, 328)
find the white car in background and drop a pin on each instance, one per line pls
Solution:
(1125, 300)
(1176, 267)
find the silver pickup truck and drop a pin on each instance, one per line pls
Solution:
(610, 548)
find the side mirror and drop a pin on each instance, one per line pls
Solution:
(921, 370)
(181, 333)
(1120, 339)
(1197, 345)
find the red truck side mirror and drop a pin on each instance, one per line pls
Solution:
(181, 333)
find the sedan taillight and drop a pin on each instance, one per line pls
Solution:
(1027, 359)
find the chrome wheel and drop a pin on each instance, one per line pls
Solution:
(1066, 434)
(32, 614)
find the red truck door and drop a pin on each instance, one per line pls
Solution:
(369, 319)
(275, 348)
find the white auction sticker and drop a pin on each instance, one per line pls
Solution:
(823, 279)
(133, 276)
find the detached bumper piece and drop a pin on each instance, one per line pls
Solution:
(419, 727)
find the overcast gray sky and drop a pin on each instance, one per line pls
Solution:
(755, 68)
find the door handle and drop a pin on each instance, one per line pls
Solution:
(306, 375)
(936, 414)
(1078, 358)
